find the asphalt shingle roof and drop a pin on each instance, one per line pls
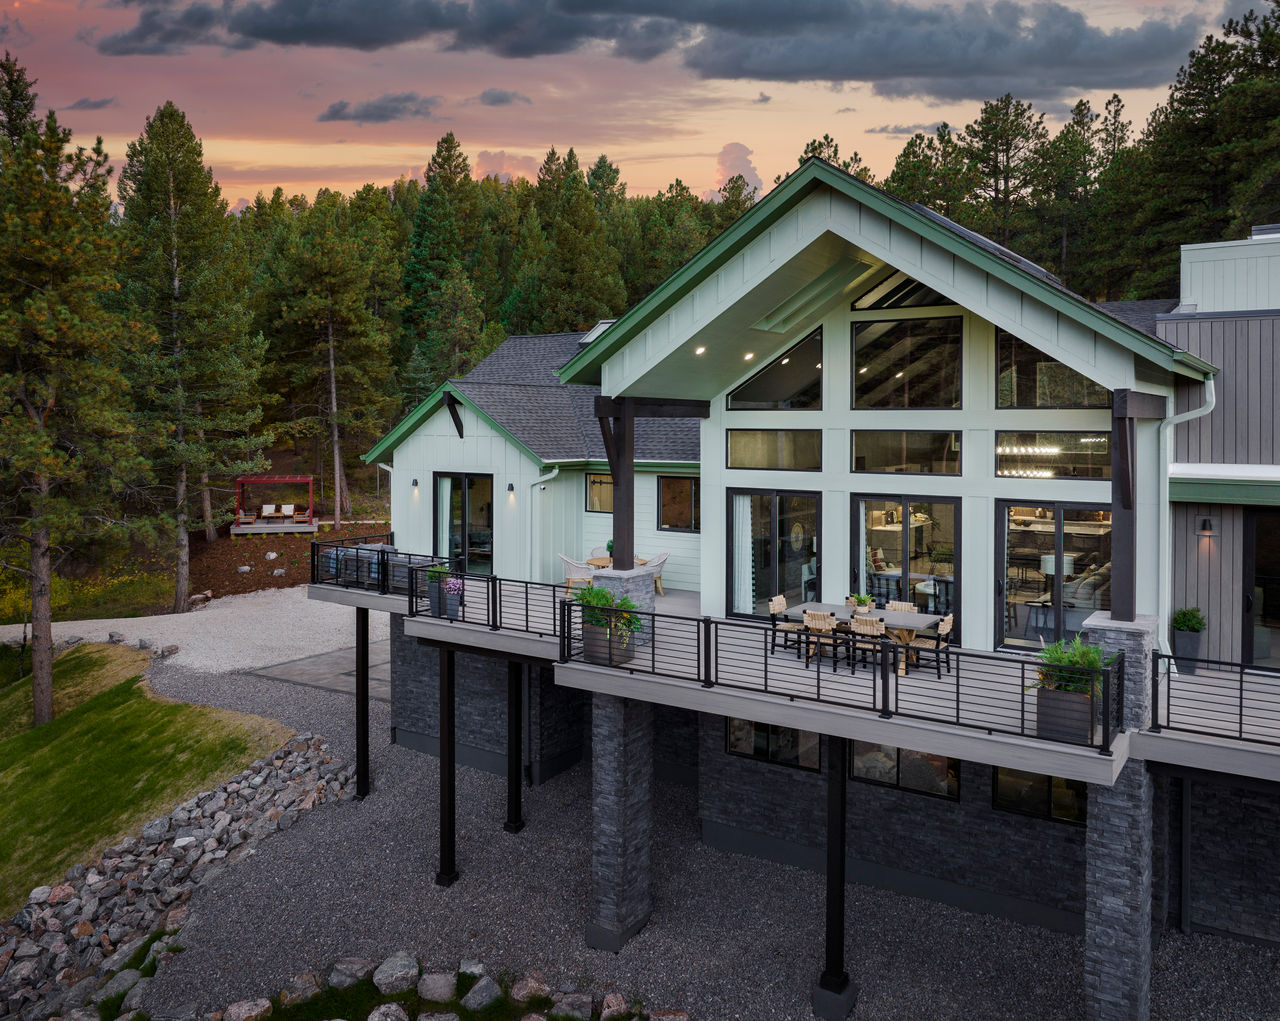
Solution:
(1141, 315)
(518, 388)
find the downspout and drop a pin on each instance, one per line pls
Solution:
(540, 481)
(390, 478)
(1165, 562)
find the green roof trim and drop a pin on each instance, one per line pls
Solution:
(813, 173)
(593, 465)
(409, 424)
(1248, 492)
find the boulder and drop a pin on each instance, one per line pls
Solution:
(576, 1005)
(388, 1012)
(301, 988)
(484, 993)
(396, 974)
(244, 569)
(40, 895)
(470, 966)
(247, 1010)
(530, 986)
(613, 1006)
(120, 982)
(438, 987)
(347, 971)
(133, 999)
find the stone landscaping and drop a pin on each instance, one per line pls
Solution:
(75, 943)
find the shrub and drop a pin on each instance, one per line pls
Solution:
(601, 608)
(1070, 666)
(1189, 618)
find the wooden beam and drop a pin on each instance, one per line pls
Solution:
(653, 407)
(1136, 404)
(624, 485)
(451, 402)
(1124, 532)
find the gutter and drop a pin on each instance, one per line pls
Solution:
(1164, 598)
(540, 481)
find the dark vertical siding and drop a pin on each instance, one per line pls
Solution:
(1206, 572)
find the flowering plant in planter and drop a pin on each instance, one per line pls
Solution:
(608, 623)
(453, 586)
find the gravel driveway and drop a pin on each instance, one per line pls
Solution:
(731, 936)
(236, 632)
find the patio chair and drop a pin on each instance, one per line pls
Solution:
(302, 516)
(245, 517)
(269, 510)
(576, 571)
(789, 629)
(937, 644)
(655, 566)
(286, 510)
(598, 551)
(820, 636)
(901, 606)
(867, 632)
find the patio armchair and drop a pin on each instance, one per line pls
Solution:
(286, 510)
(245, 517)
(901, 606)
(789, 629)
(302, 516)
(937, 644)
(867, 632)
(655, 567)
(575, 571)
(820, 637)
(598, 551)
(269, 510)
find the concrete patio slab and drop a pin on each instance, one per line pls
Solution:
(336, 671)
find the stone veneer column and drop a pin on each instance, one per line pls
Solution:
(1118, 847)
(621, 820)
(637, 586)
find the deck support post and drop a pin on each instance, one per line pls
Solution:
(835, 993)
(362, 701)
(515, 757)
(448, 873)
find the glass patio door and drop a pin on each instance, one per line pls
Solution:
(1261, 638)
(773, 549)
(906, 548)
(464, 520)
(1053, 570)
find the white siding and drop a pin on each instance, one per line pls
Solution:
(682, 570)
(1232, 276)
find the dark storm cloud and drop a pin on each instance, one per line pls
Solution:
(395, 106)
(902, 129)
(86, 103)
(501, 97)
(1037, 50)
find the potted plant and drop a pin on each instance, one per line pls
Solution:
(444, 592)
(1188, 637)
(860, 603)
(608, 624)
(1068, 691)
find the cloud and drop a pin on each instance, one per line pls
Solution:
(501, 97)
(905, 130)
(85, 103)
(394, 106)
(1037, 49)
(847, 109)
(762, 99)
(735, 158)
(504, 165)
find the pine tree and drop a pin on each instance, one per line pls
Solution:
(521, 308)
(67, 445)
(935, 171)
(736, 197)
(1003, 144)
(187, 277)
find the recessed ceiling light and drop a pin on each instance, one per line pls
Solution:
(818, 366)
(699, 350)
(785, 360)
(862, 370)
(748, 356)
(898, 376)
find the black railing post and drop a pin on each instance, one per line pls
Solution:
(494, 616)
(564, 630)
(515, 752)
(1155, 691)
(885, 646)
(384, 566)
(1107, 707)
(704, 653)
(1240, 727)
(315, 562)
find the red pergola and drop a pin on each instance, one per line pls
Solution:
(269, 480)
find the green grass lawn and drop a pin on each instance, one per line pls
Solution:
(103, 598)
(114, 757)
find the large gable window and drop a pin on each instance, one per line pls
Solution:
(775, 449)
(907, 363)
(792, 381)
(1028, 378)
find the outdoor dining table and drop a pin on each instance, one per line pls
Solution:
(903, 625)
(603, 562)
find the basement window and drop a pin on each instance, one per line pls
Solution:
(782, 746)
(1035, 794)
(889, 766)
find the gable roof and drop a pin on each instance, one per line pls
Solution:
(981, 252)
(516, 391)
(1141, 315)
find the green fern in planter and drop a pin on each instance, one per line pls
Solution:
(601, 608)
(1070, 666)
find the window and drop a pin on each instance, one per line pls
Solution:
(464, 520)
(914, 453)
(884, 764)
(1046, 797)
(783, 746)
(776, 449)
(907, 363)
(791, 381)
(1053, 455)
(774, 548)
(906, 548)
(1028, 378)
(678, 502)
(600, 493)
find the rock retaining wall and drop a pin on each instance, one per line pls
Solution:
(71, 939)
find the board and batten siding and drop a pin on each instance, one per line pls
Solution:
(1206, 572)
(1244, 426)
(683, 567)
(1232, 275)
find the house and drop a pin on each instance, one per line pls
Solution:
(845, 394)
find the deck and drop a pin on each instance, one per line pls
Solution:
(275, 528)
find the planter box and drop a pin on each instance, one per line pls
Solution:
(441, 602)
(1065, 715)
(1188, 646)
(601, 647)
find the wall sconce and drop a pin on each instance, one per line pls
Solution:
(415, 483)
(1206, 527)
(511, 487)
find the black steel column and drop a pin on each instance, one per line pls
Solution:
(1123, 518)
(448, 873)
(835, 993)
(515, 756)
(362, 702)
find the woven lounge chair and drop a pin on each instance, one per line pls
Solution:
(575, 572)
(937, 644)
(789, 629)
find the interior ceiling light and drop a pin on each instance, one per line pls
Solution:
(1028, 450)
(898, 376)
(1025, 473)
(818, 366)
(862, 370)
(699, 350)
(785, 360)
(748, 356)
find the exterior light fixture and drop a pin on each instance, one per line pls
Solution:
(862, 370)
(699, 350)
(785, 360)
(818, 366)
(415, 483)
(511, 487)
(748, 356)
(1206, 527)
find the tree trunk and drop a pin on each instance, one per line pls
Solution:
(182, 575)
(333, 427)
(41, 624)
(206, 497)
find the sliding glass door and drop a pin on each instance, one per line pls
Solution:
(1261, 638)
(774, 548)
(906, 548)
(464, 520)
(1053, 569)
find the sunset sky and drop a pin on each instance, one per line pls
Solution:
(311, 93)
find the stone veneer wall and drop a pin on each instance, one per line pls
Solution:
(962, 852)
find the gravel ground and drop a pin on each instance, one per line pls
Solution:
(244, 632)
(731, 937)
